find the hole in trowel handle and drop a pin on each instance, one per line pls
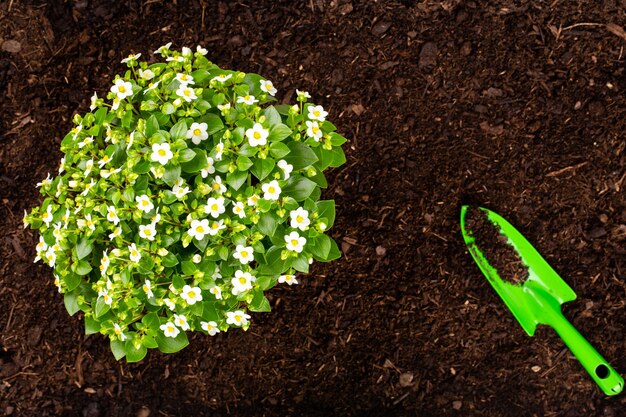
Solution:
(602, 371)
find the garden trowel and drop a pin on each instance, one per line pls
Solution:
(537, 299)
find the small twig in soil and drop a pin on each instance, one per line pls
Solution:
(566, 169)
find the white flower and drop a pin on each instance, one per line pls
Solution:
(104, 263)
(57, 231)
(253, 200)
(156, 218)
(224, 108)
(197, 132)
(50, 257)
(147, 231)
(209, 169)
(238, 318)
(147, 288)
(219, 148)
(88, 187)
(122, 89)
(191, 294)
(106, 173)
(47, 216)
(289, 279)
(180, 192)
(184, 79)
(300, 219)
(216, 275)
(210, 327)
(131, 57)
(201, 50)
(302, 95)
(295, 242)
(146, 74)
(161, 153)
(41, 245)
(244, 254)
(134, 253)
(181, 321)
(152, 86)
(257, 135)
(144, 204)
(216, 291)
(218, 187)
(169, 330)
(215, 206)
(186, 51)
(86, 222)
(116, 233)
(112, 215)
(317, 113)
(105, 296)
(57, 282)
(215, 227)
(169, 303)
(196, 259)
(94, 98)
(186, 93)
(239, 210)
(88, 167)
(247, 99)
(285, 167)
(163, 49)
(222, 78)
(66, 218)
(198, 229)
(118, 332)
(105, 160)
(176, 58)
(268, 87)
(46, 181)
(314, 131)
(116, 103)
(271, 190)
(242, 282)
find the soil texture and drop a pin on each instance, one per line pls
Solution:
(515, 105)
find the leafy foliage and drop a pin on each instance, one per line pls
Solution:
(182, 197)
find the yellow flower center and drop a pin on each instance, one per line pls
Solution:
(118, 331)
(161, 152)
(238, 319)
(299, 219)
(197, 132)
(315, 129)
(316, 113)
(191, 294)
(215, 225)
(242, 280)
(216, 186)
(246, 98)
(144, 203)
(187, 92)
(46, 215)
(257, 135)
(294, 242)
(122, 89)
(271, 190)
(200, 229)
(183, 77)
(134, 253)
(244, 253)
(146, 288)
(222, 76)
(215, 207)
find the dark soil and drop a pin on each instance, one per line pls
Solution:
(495, 247)
(515, 105)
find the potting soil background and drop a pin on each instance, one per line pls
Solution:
(515, 105)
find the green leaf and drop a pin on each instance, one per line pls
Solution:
(117, 347)
(326, 210)
(169, 260)
(171, 344)
(146, 263)
(260, 303)
(247, 150)
(336, 139)
(279, 132)
(101, 307)
(198, 162)
(72, 281)
(189, 268)
(320, 247)
(141, 184)
(214, 123)
(300, 155)
(299, 187)
(262, 168)
(127, 119)
(272, 116)
(334, 252)
(267, 224)
(243, 163)
(186, 155)
(339, 157)
(236, 179)
(83, 248)
(92, 325)
(168, 108)
(200, 76)
(172, 173)
(152, 126)
(301, 263)
(70, 300)
(179, 130)
(82, 268)
(134, 354)
(279, 149)
(142, 167)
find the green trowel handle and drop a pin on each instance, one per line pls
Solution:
(605, 376)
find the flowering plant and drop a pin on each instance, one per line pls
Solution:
(181, 198)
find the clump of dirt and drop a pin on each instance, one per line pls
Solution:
(495, 246)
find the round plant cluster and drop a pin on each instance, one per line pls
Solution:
(181, 198)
